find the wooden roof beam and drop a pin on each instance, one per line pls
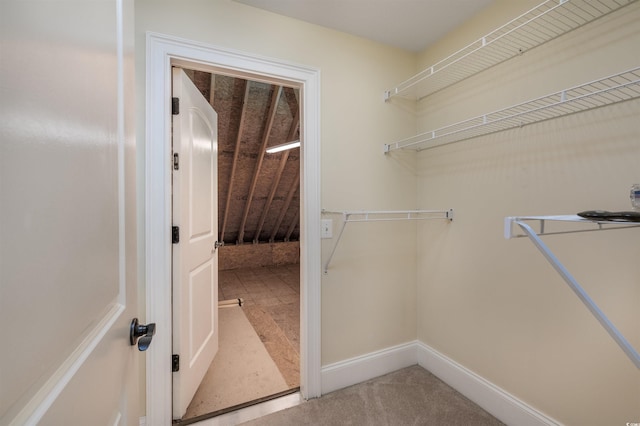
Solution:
(261, 153)
(212, 90)
(292, 226)
(276, 181)
(234, 163)
(285, 207)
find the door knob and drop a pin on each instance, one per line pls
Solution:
(141, 333)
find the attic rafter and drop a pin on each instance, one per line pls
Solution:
(243, 108)
(261, 153)
(274, 186)
(212, 90)
(276, 181)
(292, 226)
(285, 207)
(234, 163)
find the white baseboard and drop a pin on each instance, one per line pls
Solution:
(498, 402)
(359, 369)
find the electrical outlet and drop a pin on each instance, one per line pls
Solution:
(327, 228)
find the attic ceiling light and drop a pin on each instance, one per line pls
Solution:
(283, 147)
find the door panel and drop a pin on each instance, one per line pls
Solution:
(195, 259)
(201, 324)
(67, 213)
(201, 197)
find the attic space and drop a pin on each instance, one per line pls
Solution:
(258, 192)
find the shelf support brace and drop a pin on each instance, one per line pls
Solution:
(582, 295)
(380, 216)
(335, 246)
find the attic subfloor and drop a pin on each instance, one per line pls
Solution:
(271, 305)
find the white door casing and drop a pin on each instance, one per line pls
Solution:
(163, 51)
(195, 256)
(67, 209)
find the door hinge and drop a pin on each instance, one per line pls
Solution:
(175, 234)
(175, 363)
(176, 161)
(175, 106)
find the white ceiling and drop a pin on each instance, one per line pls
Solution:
(408, 24)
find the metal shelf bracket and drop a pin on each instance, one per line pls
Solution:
(382, 216)
(534, 236)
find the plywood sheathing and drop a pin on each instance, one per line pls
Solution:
(258, 255)
(243, 112)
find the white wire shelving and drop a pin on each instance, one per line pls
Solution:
(542, 225)
(527, 224)
(543, 23)
(605, 91)
(382, 216)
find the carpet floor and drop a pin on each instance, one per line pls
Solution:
(411, 396)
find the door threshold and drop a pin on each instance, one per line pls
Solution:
(247, 411)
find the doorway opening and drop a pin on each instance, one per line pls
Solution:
(259, 260)
(163, 51)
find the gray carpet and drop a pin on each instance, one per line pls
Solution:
(411, 396)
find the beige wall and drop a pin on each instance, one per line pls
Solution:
(496, 306)
(366, 305)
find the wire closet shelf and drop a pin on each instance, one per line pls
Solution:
(382, 216)
(605, 91)
(548, 20)
(567, 222)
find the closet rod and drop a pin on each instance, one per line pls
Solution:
(629, 350)
(383, 216)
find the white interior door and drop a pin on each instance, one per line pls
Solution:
(195, 258)
(67, 214)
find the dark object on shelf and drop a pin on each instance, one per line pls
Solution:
(628, 216)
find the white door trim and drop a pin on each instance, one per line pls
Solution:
(163, 51)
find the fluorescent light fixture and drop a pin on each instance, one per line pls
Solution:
(283, 147)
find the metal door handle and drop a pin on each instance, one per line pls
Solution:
(141, 333)
(217, 244)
